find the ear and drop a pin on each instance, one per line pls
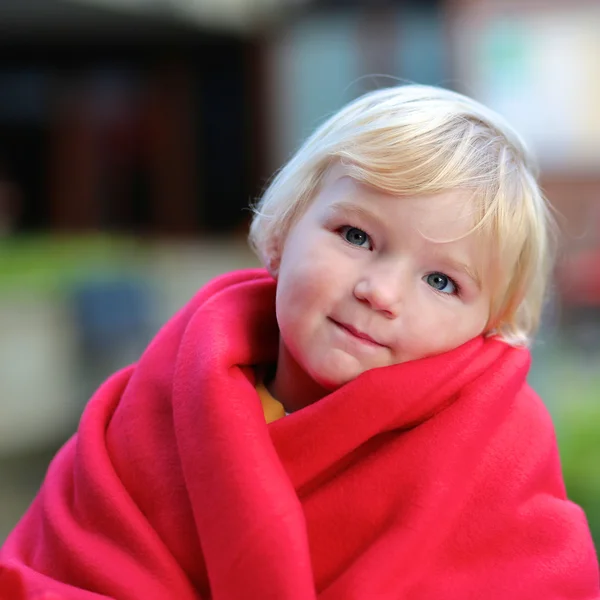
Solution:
(273, 257)
(273, 267)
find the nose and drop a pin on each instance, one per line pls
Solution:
(381, 289)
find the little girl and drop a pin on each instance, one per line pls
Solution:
(351, 422)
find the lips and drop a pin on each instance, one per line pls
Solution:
(357, 333)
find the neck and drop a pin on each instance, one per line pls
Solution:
(291, 385)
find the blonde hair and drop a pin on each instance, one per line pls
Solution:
(421, 140)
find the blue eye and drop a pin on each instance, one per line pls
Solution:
(356, 237)
(441, 283)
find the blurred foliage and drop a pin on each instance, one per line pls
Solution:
(48, 264)
(578, 429)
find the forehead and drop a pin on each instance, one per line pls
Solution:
(442, 216)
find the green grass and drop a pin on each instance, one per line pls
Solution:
(46, 264)
(577, 420)
(568, 380)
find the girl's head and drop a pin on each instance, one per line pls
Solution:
(419, 142)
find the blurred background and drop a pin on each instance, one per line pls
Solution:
(134, 134)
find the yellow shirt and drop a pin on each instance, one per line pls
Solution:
(273, 409)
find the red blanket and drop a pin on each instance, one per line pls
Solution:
(433, 479)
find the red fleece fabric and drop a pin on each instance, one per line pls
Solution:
(432, 479)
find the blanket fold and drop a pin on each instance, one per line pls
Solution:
(437, 478)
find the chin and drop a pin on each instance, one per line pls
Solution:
(329, 385)
(333, 380)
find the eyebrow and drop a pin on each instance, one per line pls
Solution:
(353, 209)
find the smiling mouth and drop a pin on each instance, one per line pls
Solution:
(363, 337)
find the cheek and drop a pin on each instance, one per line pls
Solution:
(302, 304)
(310, 285)
(309, 269)
(300, 291)
(433, 328)
(466, 325)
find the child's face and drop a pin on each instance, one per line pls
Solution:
(360, 286)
